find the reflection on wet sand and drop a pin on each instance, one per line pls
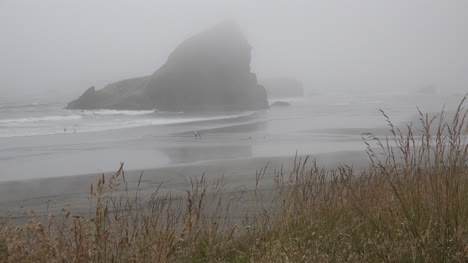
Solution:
(178, 155)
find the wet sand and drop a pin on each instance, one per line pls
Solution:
(49, 195)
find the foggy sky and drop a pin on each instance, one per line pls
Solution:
(68, 46)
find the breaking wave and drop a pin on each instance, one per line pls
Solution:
(100, 120)
(117, 112)
(44, 118)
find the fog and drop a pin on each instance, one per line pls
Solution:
(165, 91)
(63, 47)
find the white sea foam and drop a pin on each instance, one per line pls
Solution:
(49, 125)
(117, 112)
(41, 119)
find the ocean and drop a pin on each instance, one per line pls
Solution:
(45, 140)
(48, 119)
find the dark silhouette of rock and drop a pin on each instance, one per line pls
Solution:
(280, 104)
(207, 72)
(283, 87)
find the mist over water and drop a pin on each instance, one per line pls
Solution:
(352, 57)
(52, 49)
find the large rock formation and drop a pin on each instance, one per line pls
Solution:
(207, 72)
(283, 87)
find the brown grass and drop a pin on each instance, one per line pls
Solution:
(410, 205)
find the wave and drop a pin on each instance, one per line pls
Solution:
(117, 112)
(182, 120)
(39, 119)
(28, 127)
(30, 105)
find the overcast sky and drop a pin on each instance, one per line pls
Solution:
(330, 45)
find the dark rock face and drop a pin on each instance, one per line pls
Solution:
(207, 72)
(283, 87)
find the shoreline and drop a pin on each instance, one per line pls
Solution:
(50, 195)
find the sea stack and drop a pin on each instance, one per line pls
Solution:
(207, 72)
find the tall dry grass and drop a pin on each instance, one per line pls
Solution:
(410, 205)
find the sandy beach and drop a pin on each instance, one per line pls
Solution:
(20, 200)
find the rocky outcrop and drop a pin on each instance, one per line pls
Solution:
(283, 87)
(207, 72)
